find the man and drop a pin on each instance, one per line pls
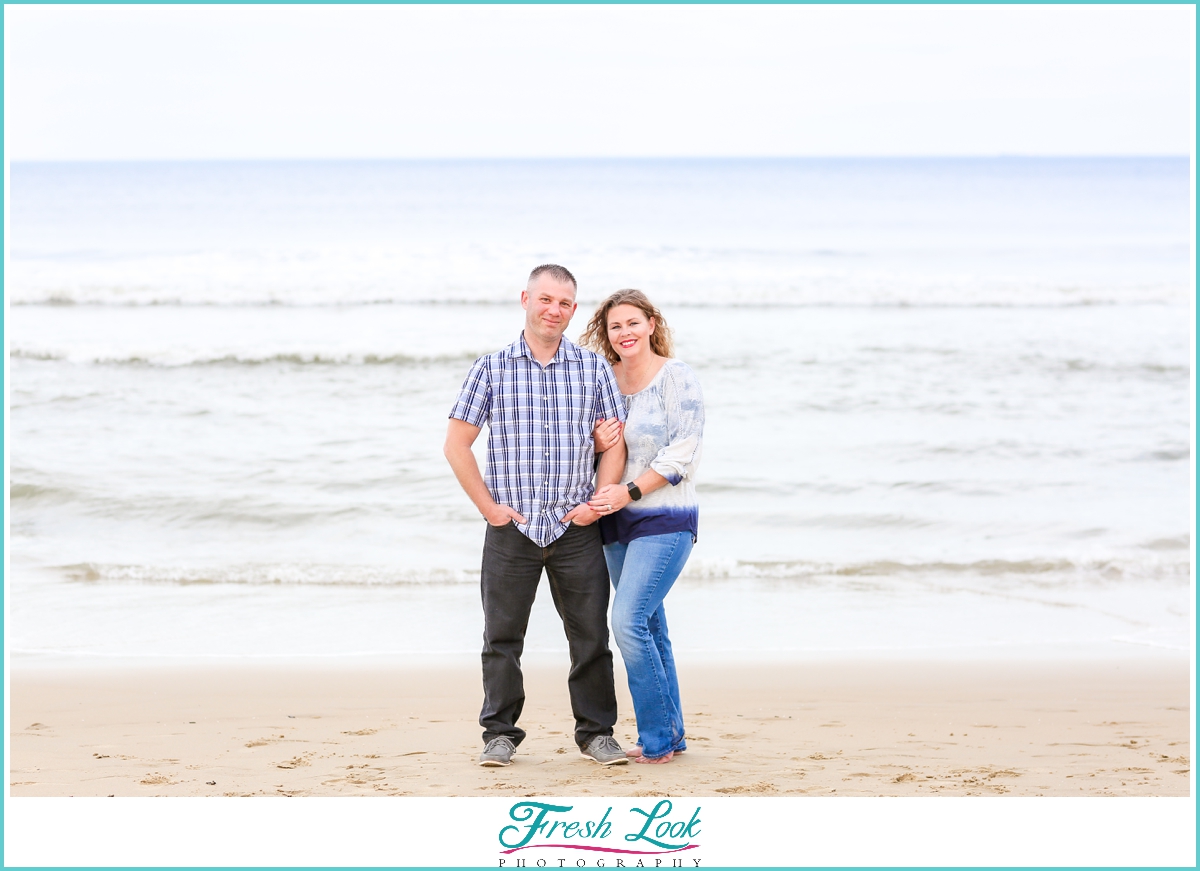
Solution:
(540, 397)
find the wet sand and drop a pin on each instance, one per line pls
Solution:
(784, 729)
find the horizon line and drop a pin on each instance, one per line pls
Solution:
(528, 159)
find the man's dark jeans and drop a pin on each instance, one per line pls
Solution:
(512, 568)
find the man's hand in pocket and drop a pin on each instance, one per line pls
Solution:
(502, 515)
(581, 515)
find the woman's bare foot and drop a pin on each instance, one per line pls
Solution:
(635, 752)
(645, 760)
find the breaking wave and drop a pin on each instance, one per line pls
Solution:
(293, 359)
(1034, 572)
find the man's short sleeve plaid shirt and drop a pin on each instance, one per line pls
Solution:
(540, 454)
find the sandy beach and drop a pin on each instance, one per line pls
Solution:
(806, 728)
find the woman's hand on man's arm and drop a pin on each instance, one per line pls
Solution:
(606, 434)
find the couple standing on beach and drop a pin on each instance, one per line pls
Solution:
(551, 406)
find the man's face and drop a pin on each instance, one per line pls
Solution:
(549, 305)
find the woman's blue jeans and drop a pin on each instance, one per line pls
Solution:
(642, 573)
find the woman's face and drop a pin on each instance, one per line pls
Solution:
(629, 331)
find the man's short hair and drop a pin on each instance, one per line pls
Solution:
(558, 273)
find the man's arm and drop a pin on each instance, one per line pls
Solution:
(460, 435)
(609, 406)
(612, 465)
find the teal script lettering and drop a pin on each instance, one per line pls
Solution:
(658, 827)
(534, 814)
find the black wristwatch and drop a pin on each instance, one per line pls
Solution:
(635, 492)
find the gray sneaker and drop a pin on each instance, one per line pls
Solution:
(499, 751)
(605, 750)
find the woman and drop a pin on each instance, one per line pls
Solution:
(649, 521)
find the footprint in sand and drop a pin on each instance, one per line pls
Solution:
(754, 788)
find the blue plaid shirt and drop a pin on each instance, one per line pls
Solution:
(540, 454)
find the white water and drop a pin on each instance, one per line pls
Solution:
(948, 401)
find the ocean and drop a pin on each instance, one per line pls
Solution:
(948, 400)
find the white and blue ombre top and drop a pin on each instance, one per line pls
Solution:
(664, 428)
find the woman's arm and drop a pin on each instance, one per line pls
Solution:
(684, 402)
(612, 465)
(617, 495)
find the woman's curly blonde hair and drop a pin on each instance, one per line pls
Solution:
(595, 336)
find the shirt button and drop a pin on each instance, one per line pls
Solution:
(547, 426)
(547, 453)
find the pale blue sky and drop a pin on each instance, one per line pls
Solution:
(88, 82)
